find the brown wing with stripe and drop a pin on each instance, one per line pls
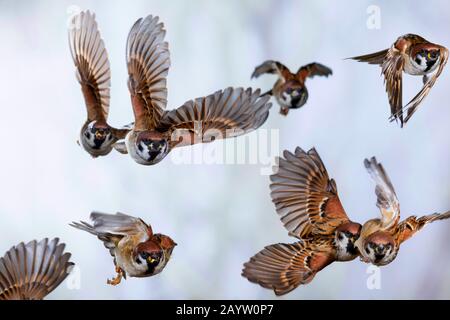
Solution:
(111, 228)
(91, 60)
(392, 68)
(283, 267)
(148, 63)
(313, 69)
(372, 58)
(31, 271)
(305, 198)
(410, 226)
(387, 200)
(224, 114)
(272, 67)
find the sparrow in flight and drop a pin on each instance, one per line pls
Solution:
(88, 51)
(290, 90)
(307, 201)
(381, 238)
(31, 271)
(413, 55)
(223, 114)
(136, 250)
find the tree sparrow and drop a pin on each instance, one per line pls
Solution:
(413, 55)
(307, 201)
(290, 90)
(88, 51)
(136, 250)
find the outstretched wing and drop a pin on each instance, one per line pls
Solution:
(305, 198)
(283, 267)
(412, 106)
(91, 60)
(408, 227)
(31, 271)
(111, 228)
(313, 69)
(387, 200)
(224, 114)
(372, 58)
(148, 63)
(392, 68)
(272, 67)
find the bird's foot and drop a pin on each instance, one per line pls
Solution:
(284, 111)
(115, 281)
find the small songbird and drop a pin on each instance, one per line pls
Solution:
(31, 271)
(136, 250)
(88, 51)
(381, 238)
(155, 132)
(413, 55)
(309, 207)
(290, 90)
(226, 113)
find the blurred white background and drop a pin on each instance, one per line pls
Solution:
(220, 215)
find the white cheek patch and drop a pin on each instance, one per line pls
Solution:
(286, 98)
(142, 150)
(421, 64)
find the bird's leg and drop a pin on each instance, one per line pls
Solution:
(115, 281)
(425, 78)
(284, 110)
(362, 259)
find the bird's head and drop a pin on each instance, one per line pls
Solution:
(151, 147)
(97, 138)
(426, 57)
(296, 95)
(149, 253)
(345, 238)
(379, 248)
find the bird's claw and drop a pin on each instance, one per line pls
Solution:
(116, 280)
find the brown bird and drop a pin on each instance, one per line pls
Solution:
(307, 201)
(88, 51)
(381, 238)
(413, 55)
(290, 90)
(31, 271)
(226, 113)
(136, 250)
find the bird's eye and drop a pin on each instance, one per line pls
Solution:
(144, 255)
(367, 250)
(87, 135)
(341, 237)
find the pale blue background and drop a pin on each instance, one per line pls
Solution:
(222, 214)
